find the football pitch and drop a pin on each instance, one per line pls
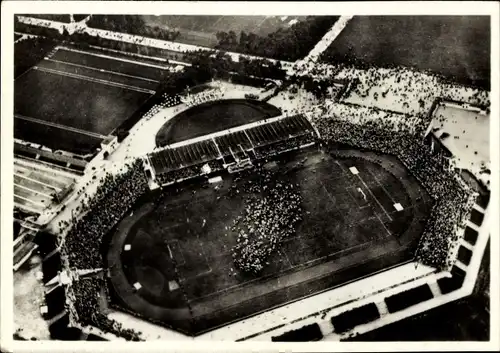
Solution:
(80, 97)
(170, 261)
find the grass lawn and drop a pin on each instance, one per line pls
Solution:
(455, 46)
(55, 138)
(202, 30)
(93, 103)
(73, 102)
(91, 59)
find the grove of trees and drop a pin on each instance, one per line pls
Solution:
(132, 24)
(289, 44)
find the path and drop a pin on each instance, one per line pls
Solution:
(397, 89)
(327, 40)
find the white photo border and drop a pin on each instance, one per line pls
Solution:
(9, 8)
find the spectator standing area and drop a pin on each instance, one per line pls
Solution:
(170, 260)
(74, 99)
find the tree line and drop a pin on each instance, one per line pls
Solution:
(206, 65)
(288, 44)
(132, 24)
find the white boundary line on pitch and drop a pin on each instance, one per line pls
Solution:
(114, 58)
(36, 181)
(382, 186)
(59, 126)
(356, 201)
(171, 253)
(101, 70)
(275, 276)
(30, 201)
(371, 193)
(94, 80)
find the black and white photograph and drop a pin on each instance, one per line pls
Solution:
(249, 173)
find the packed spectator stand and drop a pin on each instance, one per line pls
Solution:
(213, 94)
(167, 102)
(81, 246)
(113, 199)
(85, 294)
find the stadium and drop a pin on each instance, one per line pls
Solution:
(234, 207)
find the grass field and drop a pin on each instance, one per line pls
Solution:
(55, 138)
(201, 30)
(113, 63)
(71, 98)
(454, 46)
(181, 245)
(73, 102)
(210, 117)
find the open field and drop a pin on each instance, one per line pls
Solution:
(112, 63)
(43, 134)
(128, 81)
(211, 117)
(201, 30)
(72, 99)
(180, 244)
(454, 46)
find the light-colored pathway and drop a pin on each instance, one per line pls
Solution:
(327, 39)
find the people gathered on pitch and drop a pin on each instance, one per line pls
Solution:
(272, 212)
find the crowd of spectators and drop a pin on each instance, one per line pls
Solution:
(81, 247)
(272, 211)
(283, 146)
(203, 97)
(405, 88)
(113, 198)
(86, 293)
(167, 101)
(453, 197)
